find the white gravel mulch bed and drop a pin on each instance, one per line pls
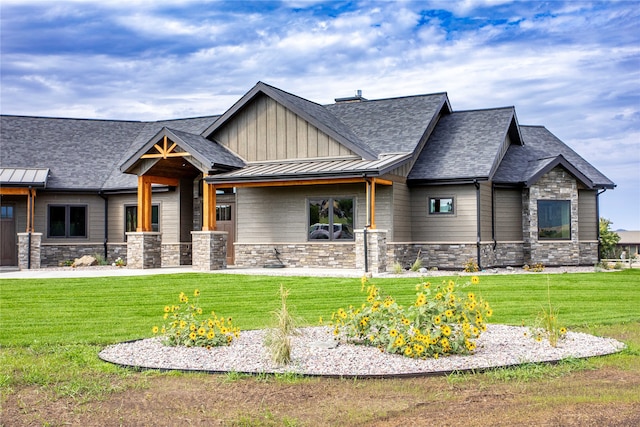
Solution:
(315, 352)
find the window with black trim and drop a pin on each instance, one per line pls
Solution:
(67, 221)
(441, 205)
(554, 219)
(131, 218)
(331, 218)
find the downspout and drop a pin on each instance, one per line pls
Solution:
(106, 223)
(493, 215)
(478, 237)
(598, 219)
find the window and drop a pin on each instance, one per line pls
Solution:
(6, 212)
(554, 219)
(440, 205)
(131, 218)
(331, 219)
(67, 221)
(223, 213)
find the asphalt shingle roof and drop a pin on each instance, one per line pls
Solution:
(393, 125)
(464, 145)
(541, 147)
(80, 154)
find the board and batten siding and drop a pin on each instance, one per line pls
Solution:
(95, 216)
(265, 130)
(169, 215)
(461, 227)
(279, 214)
(508, 215)
(587, 215)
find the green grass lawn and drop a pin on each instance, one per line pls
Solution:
(112, 309)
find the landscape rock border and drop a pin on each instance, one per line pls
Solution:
(315, 354)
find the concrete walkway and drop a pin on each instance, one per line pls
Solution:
(108, 271)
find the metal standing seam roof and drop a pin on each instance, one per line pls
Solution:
(309, 169)
(24, 177)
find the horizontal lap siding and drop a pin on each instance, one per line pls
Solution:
(265, 130)
(95, 216)
(401, 213)
(485, 211)
(169, 212)
(279, 214)
(508, 211)
(587, 215)
(460, 227)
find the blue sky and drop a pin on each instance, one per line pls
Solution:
(572, 66)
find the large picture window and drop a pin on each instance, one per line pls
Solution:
(331, 219)
(67, 221)
(554, 219)
(131, 218)
(441, 205)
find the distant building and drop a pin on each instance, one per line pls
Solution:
(629, 243)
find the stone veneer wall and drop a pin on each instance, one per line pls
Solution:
(209, 250)
(54, 254)
(441, 255)
(589, 254)
(376, 251)
(144, 249)
(176, 254)
(557, 184)
(327, 255)
(24, 253)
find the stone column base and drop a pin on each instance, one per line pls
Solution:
(209, 250)
(144, 249)
(376, 251)
(29, 249)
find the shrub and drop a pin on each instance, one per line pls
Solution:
(471, 266)
(536, 268)
(397, 268)
(443, 320)
(187, 327)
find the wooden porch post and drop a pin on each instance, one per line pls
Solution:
(208, 206)
(144, 204)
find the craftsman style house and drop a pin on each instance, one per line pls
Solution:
(280, 180)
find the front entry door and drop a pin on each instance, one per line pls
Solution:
(225, 221)
(8, 248)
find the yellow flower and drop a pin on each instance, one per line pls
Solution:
(475, 280)
(393, 333)
(363, 281)
(202, 332)
(211, 335)
(437, 320)
(422, 300)
(192, 336)
(196, 293)
(405, 321)
(167, 309)
(408, 351)
(563, 331)
(399, 342)
(192, 327)
(448, 313)
(336, 331)
(199, 310)
(183, 324)
(370, 298)
(446, 330)
(471, 296)
(155, 329)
